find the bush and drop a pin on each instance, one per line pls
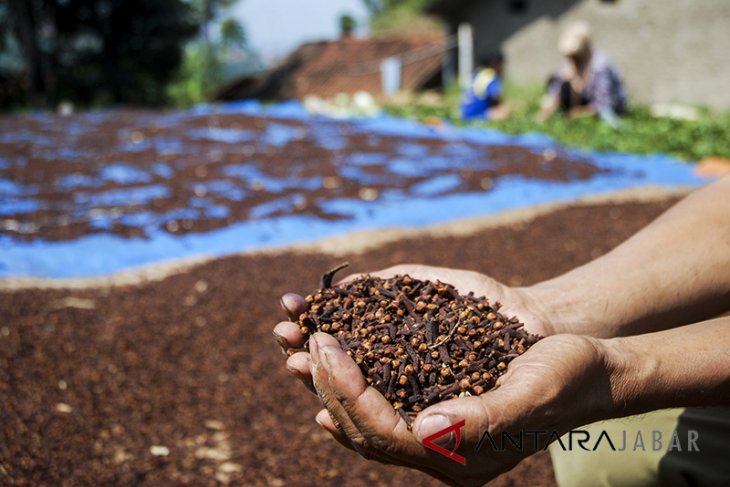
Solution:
(640, 132)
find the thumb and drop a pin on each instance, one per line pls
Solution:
(500, 410)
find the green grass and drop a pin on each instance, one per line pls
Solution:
(639, 133)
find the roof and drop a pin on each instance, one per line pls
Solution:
(346, 65)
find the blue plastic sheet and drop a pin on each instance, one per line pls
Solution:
(430, 202)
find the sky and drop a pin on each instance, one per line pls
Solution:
(276, 27)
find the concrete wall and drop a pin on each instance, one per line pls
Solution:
(667, 50)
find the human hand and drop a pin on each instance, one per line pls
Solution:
(516, 302)
(303, 365)
(560, 383)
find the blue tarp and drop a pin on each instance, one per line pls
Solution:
(431, 201)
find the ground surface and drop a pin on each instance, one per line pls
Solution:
(129, 188)
(91, 379)
(131, 173)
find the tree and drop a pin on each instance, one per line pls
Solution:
(347, 25)
(232, 33)
(100, 51)
(400, 17)
(379, 6)
(207, 59)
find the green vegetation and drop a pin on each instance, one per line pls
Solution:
(93, 52)
(204, 63)
(347, 25)
(201, 69)
(102, 52)
(401, 17)
(640, 132)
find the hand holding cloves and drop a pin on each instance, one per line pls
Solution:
(417, 342)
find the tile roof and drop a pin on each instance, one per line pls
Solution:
(343, 66)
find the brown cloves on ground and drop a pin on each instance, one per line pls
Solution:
(417, 342)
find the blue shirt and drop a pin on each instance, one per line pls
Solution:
(484, 92)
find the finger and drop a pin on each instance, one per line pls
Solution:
(293, 304)
(384, 274)
(325, 421)
(348, 386)
(288, 335)
(349, 278)
(418, 271)
(320, 376)
(431, 273)
(485, 417)
(320, 379)
(299, 365)
(370, 421)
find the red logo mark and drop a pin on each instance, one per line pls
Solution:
(456, 428)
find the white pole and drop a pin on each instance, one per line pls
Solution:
(466, 54)
(390, 75)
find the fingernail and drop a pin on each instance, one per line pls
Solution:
(292, 371)
(432, 424)
(313, 350)
(324, 357)
(293, 304)
(279, 339)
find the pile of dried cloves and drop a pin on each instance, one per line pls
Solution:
(417, 342)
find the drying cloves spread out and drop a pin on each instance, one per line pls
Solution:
(417, 342)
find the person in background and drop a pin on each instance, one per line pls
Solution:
(482, 99)
(587, 83)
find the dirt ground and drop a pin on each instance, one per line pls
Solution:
(93, 382)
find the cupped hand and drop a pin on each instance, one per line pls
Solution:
(515, 301)
(360, 418)
(560, 383)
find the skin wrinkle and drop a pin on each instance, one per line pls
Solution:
(395, 431)
(627, 388)
(495, 426)
(487, 420)
(367, 452)
(330, 400)
(350, 405)
(358, 440)
(326, 397)
(665, 378)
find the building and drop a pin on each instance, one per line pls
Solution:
(346, 65)
(671, 51)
